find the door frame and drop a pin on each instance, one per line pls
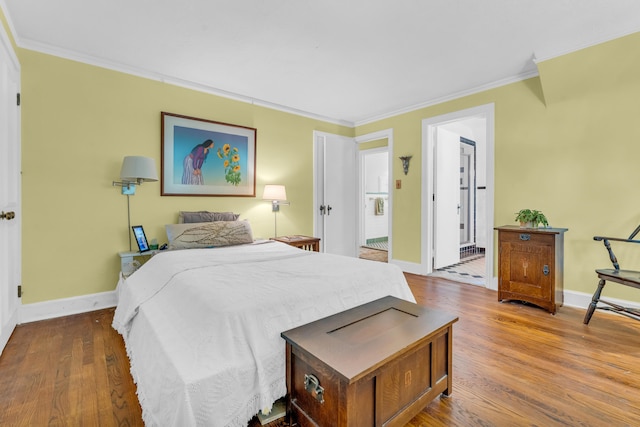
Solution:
(374, 136)
(429, 126)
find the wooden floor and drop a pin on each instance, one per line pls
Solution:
(513, 365)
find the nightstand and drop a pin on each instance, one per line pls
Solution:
(303, 242)
(130, 261)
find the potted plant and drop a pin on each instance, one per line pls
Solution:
(530, 218)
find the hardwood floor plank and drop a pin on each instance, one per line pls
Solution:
(515, 359)
(513, 365)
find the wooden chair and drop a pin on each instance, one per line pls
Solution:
(616, 275)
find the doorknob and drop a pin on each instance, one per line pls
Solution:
(322, 208)
(8, 216)
(329, 209)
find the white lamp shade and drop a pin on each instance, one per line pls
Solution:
(274, 192)
(138, 168)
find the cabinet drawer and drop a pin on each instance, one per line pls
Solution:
(527, 237)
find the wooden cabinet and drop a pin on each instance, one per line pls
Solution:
(531, 265)
(377, 364)
(303, 242)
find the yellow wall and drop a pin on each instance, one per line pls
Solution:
(571, 151)
(565, 143)
(79, 121)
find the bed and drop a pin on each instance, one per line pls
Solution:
(202, 326)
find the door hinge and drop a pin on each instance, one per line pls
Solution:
(18, 98)
(19, 291)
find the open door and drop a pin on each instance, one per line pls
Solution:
(10, 214)
(335, 199)
(447, 199)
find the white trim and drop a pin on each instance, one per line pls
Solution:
(374, 136)
(146, 74)
(582, 300)
(428, 128)
(451, 97)
(92, 302)
(67, 306)
(407, 267)
(4, 37)
(538, 57)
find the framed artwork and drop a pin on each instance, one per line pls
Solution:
(207, 158)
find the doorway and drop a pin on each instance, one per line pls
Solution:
(375, 206)
(477, 125)
(374, 241)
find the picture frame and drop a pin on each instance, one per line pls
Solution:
(206, 158)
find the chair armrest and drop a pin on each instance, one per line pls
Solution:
(607, 245)
(615, 239)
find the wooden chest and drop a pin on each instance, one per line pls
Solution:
(531, 265)
(378, 364)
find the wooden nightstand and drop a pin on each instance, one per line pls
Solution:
(303, 242)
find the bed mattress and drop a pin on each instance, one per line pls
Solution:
(202, 326)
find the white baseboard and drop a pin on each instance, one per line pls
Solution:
(66, 306)
(571, 298)
(85, 303)
(582, 300)
(408, 267)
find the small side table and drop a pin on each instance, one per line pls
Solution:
(128, 260)
(303, 242)
(531, 265)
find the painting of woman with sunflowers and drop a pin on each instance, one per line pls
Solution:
(201, 157)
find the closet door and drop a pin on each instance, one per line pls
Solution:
(335, 202)
(10, 213)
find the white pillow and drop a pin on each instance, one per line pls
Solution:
(208, 234)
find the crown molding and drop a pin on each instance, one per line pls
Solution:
(147, 74)
(451, 97)
(5, 38)
(538, 57)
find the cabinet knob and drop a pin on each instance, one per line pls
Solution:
(525, 236)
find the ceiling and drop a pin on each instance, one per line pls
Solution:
(349, 62)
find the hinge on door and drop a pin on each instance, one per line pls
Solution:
(18, 98)
(19, 291)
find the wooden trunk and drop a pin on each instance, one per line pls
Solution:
(378, 364)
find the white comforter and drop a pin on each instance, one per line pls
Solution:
(202, 326)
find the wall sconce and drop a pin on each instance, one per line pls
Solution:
(278, 196)
(135, 170)
(405, 163)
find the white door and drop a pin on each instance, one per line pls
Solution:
(335, 198)
(10, 243)
(447, 199)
